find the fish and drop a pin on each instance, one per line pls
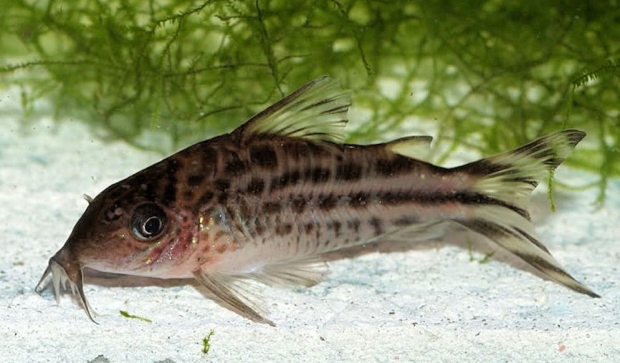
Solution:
(264, 203)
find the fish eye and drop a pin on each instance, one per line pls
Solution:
(148, 221)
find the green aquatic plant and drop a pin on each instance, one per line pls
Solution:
(482, 260)
(130, 316)
(206, 342)
(481, 75)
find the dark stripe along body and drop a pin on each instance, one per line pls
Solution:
(265, 201)
(301, 197)
(310, 198)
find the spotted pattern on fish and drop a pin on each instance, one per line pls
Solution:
(300, 190)
(264, 202)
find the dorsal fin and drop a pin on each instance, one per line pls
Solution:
(415, 147)
(316, 111)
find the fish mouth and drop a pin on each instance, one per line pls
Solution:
(68, 279)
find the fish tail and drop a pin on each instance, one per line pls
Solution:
(502, 187)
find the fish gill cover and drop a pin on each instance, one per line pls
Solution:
(485, 75)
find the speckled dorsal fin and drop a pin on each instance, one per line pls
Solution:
(415, 147)
(316, 111)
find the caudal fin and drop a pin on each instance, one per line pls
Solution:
(505, 184)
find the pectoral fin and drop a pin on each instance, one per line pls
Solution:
(236, 286)
(298, 272)
(237, 294)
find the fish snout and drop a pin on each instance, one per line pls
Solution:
(66, 274)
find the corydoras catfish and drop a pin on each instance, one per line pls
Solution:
(264, 202)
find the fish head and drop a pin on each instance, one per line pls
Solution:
(133, 227)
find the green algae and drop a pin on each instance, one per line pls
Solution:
(206, 342)
(482, 75)
(130, 316)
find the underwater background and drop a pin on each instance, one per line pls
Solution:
(93, 91)
(483, 75)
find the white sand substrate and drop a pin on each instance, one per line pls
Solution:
(429, 303)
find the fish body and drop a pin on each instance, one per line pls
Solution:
(263, 203)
